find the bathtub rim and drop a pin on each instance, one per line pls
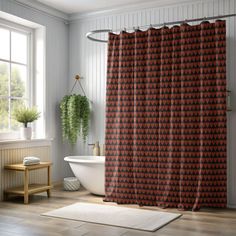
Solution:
(82, 159)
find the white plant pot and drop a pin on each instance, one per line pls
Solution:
(26, 133)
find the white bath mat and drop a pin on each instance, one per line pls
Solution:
(139, 219)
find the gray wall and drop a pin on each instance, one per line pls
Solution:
(89, 59)
(57, 57)
(69, 53)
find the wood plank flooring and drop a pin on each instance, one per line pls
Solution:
(25, 220)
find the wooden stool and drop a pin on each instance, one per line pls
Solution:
(28, 189)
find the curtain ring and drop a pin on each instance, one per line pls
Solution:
(136, 28)
(185, 22)
(150, 26)
(204, 20)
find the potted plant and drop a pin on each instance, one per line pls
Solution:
(75, 115)
(26, 115)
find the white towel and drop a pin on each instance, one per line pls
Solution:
(31, 160)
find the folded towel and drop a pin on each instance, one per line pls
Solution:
(32, 158)
(31, 161)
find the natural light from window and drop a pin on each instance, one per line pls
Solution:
(14, 75)
(22, 74)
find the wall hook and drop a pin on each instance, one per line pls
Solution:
(77, 79)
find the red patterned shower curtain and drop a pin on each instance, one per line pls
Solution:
(166, 117)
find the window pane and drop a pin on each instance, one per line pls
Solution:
(4, 78)
(16, 103)
(18, 80)
(19, 47)
(4, 121)
(4, 44)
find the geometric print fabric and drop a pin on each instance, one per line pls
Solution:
(166, 117)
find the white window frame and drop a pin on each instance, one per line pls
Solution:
(30, 90)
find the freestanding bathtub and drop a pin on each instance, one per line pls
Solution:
(90, 170)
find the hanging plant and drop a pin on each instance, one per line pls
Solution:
(75, 115)
(64, 117)
(85, 115)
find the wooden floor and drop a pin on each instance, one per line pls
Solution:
(25, 220)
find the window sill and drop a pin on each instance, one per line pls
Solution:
(20, 143)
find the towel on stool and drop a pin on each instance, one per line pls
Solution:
(31, 161)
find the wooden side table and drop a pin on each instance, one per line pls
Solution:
(28, 189)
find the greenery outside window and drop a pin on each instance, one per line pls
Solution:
(15, 75)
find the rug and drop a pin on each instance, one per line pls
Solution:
(139, 219)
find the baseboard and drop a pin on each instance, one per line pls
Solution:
(57, 183)
(231, 206)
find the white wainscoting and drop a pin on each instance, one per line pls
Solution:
(89, 60)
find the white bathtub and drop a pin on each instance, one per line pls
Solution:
(90, 170)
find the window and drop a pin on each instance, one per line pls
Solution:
(22, 73)
(15, 74)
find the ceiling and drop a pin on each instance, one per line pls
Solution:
(82, 6)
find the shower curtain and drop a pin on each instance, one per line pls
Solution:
(166, 117)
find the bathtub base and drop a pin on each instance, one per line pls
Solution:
(90, 171)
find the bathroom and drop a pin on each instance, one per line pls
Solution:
(65, 52)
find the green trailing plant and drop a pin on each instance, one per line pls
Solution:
(26, 115)
(73, 118)
(75, 115)
(85, 116)
(64, 117)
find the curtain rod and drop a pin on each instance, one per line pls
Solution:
(93, 32)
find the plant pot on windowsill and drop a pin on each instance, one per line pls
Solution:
(26, 115)
(26, 133)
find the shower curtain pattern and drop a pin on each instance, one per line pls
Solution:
(166, 117)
